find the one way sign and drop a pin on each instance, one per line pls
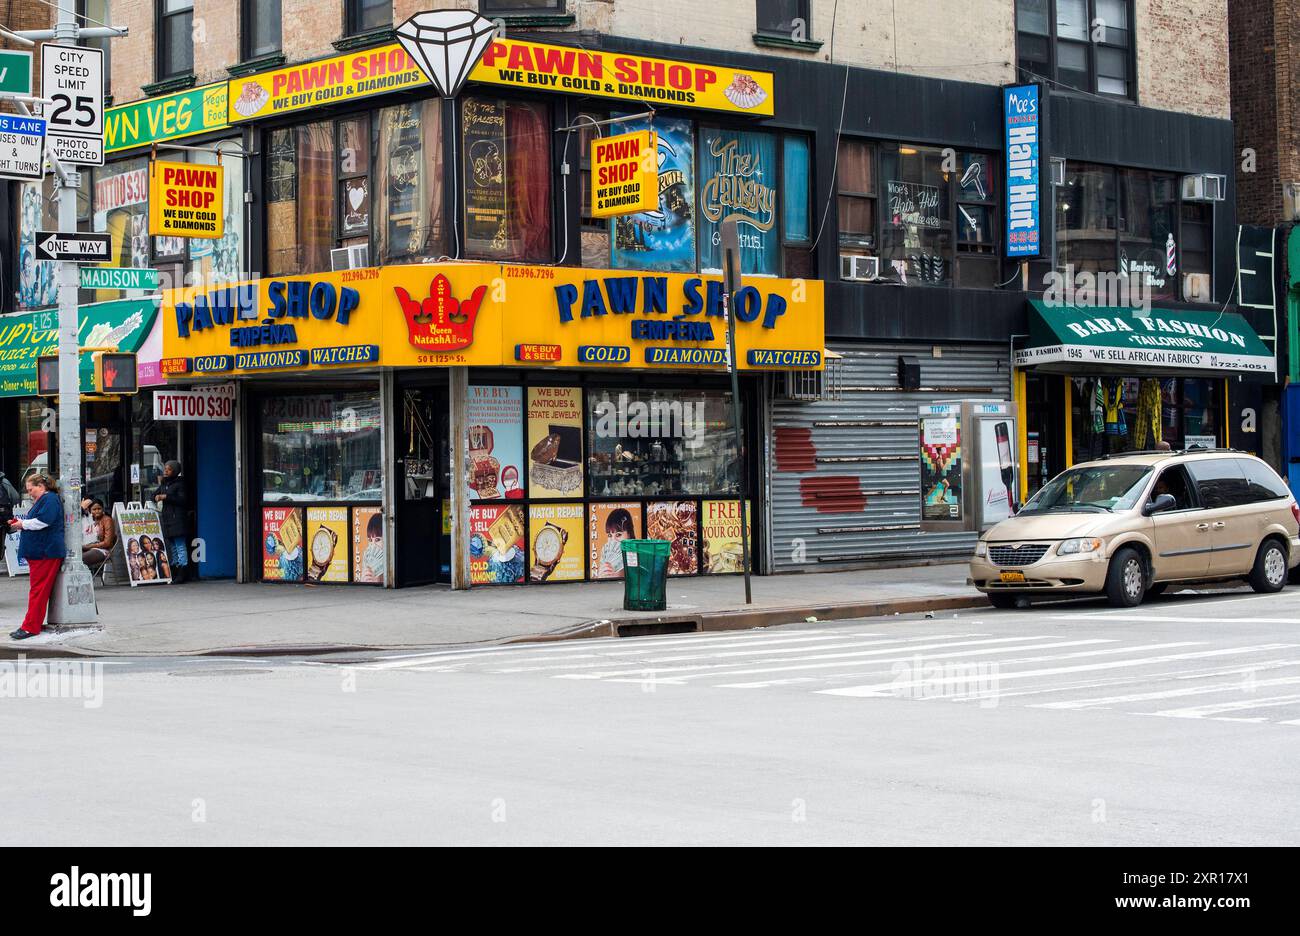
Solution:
(87, 248)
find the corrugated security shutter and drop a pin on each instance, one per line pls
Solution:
(845, 474)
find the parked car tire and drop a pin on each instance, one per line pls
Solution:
(1270, 571)
(1126, 580)
(1002, 599)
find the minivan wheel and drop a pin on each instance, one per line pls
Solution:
(1126, 580)
(1270, 572)
(1002, 599)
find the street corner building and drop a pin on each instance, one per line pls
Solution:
(400, 337)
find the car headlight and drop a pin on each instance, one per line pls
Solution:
(981, 549)
(1086, 544)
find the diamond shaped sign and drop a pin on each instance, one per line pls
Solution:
(446, 45)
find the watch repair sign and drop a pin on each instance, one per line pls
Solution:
(625, 174)
(185, 200)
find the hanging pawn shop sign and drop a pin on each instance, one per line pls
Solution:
(625, 174)
(185, 200)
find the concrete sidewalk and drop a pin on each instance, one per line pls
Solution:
(224, 617)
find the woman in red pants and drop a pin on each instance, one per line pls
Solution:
(41, 544)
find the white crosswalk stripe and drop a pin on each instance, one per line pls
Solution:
(1067, 670)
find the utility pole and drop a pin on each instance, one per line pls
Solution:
(73, 599)
(732, 277)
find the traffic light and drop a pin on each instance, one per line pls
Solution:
(47, 375)
(115, 372)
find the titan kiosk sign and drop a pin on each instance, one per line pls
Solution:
(968, 464)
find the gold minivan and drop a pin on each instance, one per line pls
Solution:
(1132, 525)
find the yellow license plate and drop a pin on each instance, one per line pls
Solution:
(1013, 576)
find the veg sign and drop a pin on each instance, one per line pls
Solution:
(185, 200)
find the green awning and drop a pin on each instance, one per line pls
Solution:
(1117, 340)
(30, 335)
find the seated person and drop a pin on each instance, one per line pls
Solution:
(101, 536)
(1174, 483)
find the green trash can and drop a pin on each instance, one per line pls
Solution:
(645, 575)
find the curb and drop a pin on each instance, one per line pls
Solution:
(646, 625)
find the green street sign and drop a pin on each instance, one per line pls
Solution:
(15, 72)
(118, 278)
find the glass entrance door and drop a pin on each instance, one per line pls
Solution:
(423, 546)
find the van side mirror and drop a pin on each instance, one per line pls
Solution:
(1162, 503)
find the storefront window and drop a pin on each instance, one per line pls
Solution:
(1086, 210)
(648, 443)
(408, 184)
(1148, 218)
(153, 443)
(1195, 251)
(916, 231)
(738, 180)
(222, 259)
(35, 420)
(857, 197)
(300, 199)
(38, 284)
(662, 239)
(595, 231)
(507, 179)
(321, 447)
(121, 206)
(796, 203)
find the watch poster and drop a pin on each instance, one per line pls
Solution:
(941, 468)
(607, 526)
(675, 523)
(497, 552)
(555, 441)
(483, 131)
(721, 551)
(738, 181)
(368, 559)
(662, 239)
(494, 417)
(555, 553)
(282, 544)
(327, 544)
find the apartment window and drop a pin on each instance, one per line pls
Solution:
(929, 214)
(782, 17)
(261, 28)
(1130, 222)
(175, 38)
(368, 15)
(506, 155)
(1081, 45)
(521, 6)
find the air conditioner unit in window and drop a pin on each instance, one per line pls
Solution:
(350, 258)
(1196, 287)
(858, 268)
(1205, 187)
(812, 386)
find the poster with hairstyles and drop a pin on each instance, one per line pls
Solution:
(139, 531)
(607, 526)
(662, 239)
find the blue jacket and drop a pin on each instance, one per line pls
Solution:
(47, 543)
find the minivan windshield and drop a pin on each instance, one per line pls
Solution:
(1092, 488)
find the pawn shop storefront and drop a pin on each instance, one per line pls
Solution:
(1101, 381)
(556, 411)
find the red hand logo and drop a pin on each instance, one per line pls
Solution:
(110, 377)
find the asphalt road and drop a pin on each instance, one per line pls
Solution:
(1175, 723)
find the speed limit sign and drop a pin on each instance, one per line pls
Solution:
(72, 79)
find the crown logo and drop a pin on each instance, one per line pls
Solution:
(441, 322)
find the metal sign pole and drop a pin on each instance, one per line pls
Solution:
(73, 599)
(731, 285)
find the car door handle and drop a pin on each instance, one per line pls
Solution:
(1219, 525)
(1202, 527)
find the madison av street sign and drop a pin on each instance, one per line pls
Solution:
(118, 278)
(84, 248)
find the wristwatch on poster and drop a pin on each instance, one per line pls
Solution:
(323, 545)
(548, 547)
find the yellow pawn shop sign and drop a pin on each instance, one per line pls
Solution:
(625, 174)
(185, 200)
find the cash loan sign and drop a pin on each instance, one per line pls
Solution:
(625, 174)
(185, 200)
